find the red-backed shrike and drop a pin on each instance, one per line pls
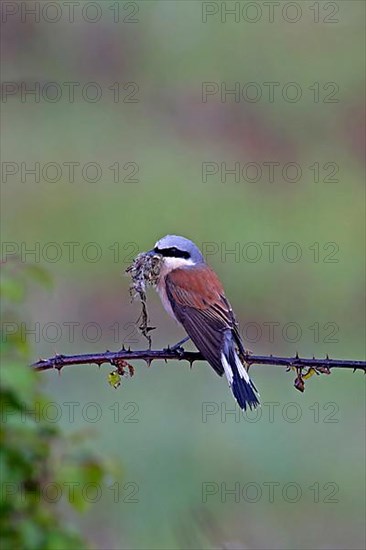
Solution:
(193, 295)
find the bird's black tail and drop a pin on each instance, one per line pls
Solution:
(245, 392)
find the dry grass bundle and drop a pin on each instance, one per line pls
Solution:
(144, 271)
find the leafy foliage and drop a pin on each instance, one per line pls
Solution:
(33, 469)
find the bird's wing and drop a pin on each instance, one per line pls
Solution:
(198, 301)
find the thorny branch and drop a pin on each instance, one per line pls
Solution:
(119, 359)
(144, 271)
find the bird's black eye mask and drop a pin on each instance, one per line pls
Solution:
(172, 252)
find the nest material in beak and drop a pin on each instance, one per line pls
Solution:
(144, 271)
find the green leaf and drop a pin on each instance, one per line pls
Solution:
(20, 379)
(114, 379)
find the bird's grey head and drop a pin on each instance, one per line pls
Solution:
(179, 250)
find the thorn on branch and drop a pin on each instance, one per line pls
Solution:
(58, 362)
(305, 368)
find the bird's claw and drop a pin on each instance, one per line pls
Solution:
(178, 349)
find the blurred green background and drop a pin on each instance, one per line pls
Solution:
(168, 451)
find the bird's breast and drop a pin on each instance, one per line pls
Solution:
(161, 290)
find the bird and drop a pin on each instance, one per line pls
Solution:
(191, 293)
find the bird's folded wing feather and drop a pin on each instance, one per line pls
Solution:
(198, 301)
